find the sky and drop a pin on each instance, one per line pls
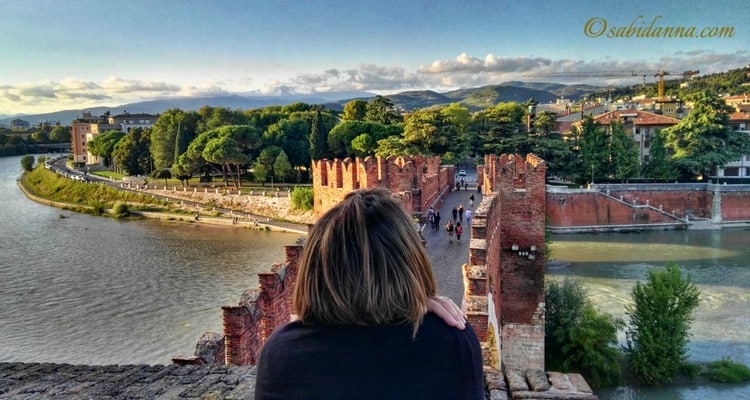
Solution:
(59, 55)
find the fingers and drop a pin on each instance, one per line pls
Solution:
(447, 310)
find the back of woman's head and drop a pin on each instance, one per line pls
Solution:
(364, 264)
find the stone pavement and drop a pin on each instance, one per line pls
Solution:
(29, 381)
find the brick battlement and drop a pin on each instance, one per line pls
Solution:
(418, 181)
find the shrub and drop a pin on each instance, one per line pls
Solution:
(302, 198)
(660, 319)
(578, 337)
(97, 207)
(726, 370)
(27, 163)
(120, 210)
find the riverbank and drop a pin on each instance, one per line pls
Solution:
(241, 211)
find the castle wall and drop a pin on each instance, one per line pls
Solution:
(647, 204)
(508, 238)
(418, 181)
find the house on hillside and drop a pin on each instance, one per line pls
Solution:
(739, 121)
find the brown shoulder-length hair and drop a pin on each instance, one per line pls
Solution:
(364, 264)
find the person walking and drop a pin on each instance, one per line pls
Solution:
(436, 224)
(454, 211)
(449, 229)
(469, 214)
(461, 213)
(459, 231)
(471, 200)
(363, 331)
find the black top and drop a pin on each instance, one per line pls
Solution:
(349, 362)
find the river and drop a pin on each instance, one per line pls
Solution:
(76, 288)
(92, 290)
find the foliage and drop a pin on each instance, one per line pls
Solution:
(120, 210)
(302, 198)
(578, 337)
(103, 145)
(726, 370)
(131, 154)
(44, 183)
(623, 153)
(660, 165)
(593, 145)
(429, 132)
(381, 109)
(170, 136)
(27, 163)
(96, 207)
(703, 140)
(346, 139)
(660, 319)
(162, 174)
(318, 137)
(355, 110)
(282, 170)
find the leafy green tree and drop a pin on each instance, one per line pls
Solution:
(703, 140)
(60, 134)
(216, 117)
(226, 152)
(495, 123)
(428, 131)
(659, 165)
(545, 123)
(27, 163)
(318, 137)
(578, 337)
(170, 136)
(302, 198)
(103, 145)
(263, 166)
(293, 135)
(660, 319)
(131, 154)
(355, 110)
(342, 136)
(40, 136)
(381, 109)
(282, 169)
(162, 174)
(623, 153)
(594, 149)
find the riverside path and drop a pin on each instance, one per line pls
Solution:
(30, 381)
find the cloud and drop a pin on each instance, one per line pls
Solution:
(465, 70)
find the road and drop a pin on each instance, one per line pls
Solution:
(448, 258)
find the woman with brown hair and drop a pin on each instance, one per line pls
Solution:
(363, 290)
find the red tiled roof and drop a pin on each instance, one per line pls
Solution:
(739, 116)
(641, 118)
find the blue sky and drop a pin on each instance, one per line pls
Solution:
(75, 54)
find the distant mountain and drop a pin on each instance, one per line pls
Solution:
(473, 98)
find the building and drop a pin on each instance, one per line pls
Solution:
(87, 127)
(738, 121)
(19, 124)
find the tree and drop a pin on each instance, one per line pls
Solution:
(381, 109)
(263, 166)
(494, 123)
(594, 153)
(170, 136)
(623, 153)
(659, 165)
(318, 137)
(428, 131)
(545, 123)
(355, 110)
(103, 145)
(60, 134)
(132, 152)
(282, 170)
(703, 140)
(660, 319)
(27, 163)
(162, 174)
(578, 337)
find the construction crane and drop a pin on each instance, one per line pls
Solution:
(603, 74)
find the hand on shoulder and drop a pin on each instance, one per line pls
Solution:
(446, 309)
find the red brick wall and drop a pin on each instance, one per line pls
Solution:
(418, 181)
(735, 206)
